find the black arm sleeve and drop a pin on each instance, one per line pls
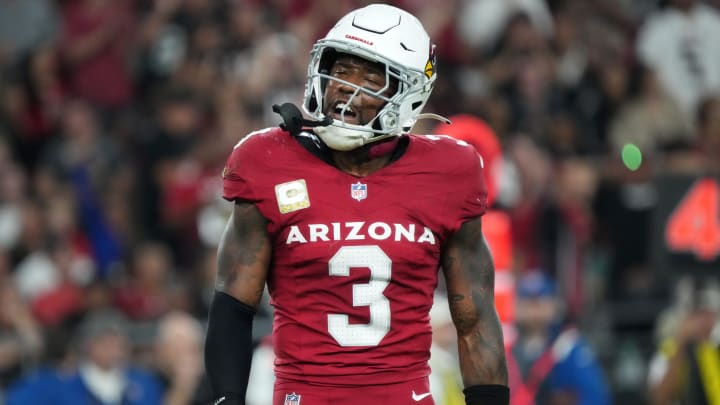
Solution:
(490, 394)
(228, 346)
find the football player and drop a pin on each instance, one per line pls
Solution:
(347, 219)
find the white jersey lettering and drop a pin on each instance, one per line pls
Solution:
(295, 236)
(379, 231)
(407, 233)
(427, 236)
(354, 231)
(355, 228)
(318, 232)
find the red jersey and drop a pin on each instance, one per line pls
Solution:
(355, 260)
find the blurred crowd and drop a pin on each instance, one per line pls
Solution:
(116, 117)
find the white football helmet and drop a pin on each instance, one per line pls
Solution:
(378, 33)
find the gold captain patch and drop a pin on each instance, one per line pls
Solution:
(292, 196)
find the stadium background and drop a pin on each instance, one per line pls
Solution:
(116, 117)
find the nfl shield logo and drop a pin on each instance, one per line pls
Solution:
(358, 191)
(292, 399)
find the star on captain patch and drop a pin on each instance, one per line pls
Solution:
(358, 191)
(292, 196)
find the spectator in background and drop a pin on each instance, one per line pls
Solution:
(708, 142)
(57, 263)
(571, 52)
(91, 164)
(481, 22)
(550, 363)
(24, 26)
(144, 295)
(179, 360)
(33, 271)
(686, 365)
(94, 44)
(595, 100)
(171, 172)
(35, 96)
(83, 143)
(701, 155)
(21, 340)
(651, 119)
(65, 299)
(105, 374)
(534, 167)
(13, 194)
(679, 43)
(552, 222)
(522, 69)
(567, 227)
(162, 43)
(105, 371)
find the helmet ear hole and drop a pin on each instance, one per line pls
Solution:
(389, 120)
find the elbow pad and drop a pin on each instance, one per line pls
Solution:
(228, 347)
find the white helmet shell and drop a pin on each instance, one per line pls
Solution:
(378, 33)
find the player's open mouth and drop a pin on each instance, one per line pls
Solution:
(349, 114)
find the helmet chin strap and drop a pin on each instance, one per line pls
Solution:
(335, 137)
(293, 120)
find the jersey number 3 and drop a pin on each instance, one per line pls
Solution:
(367, 294)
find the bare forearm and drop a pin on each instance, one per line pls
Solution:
(481, 352)
(470, 276)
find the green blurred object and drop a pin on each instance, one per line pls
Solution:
(631, 156)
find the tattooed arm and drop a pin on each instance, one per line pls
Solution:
(243, 255)
(470, 276)
(243, 259)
